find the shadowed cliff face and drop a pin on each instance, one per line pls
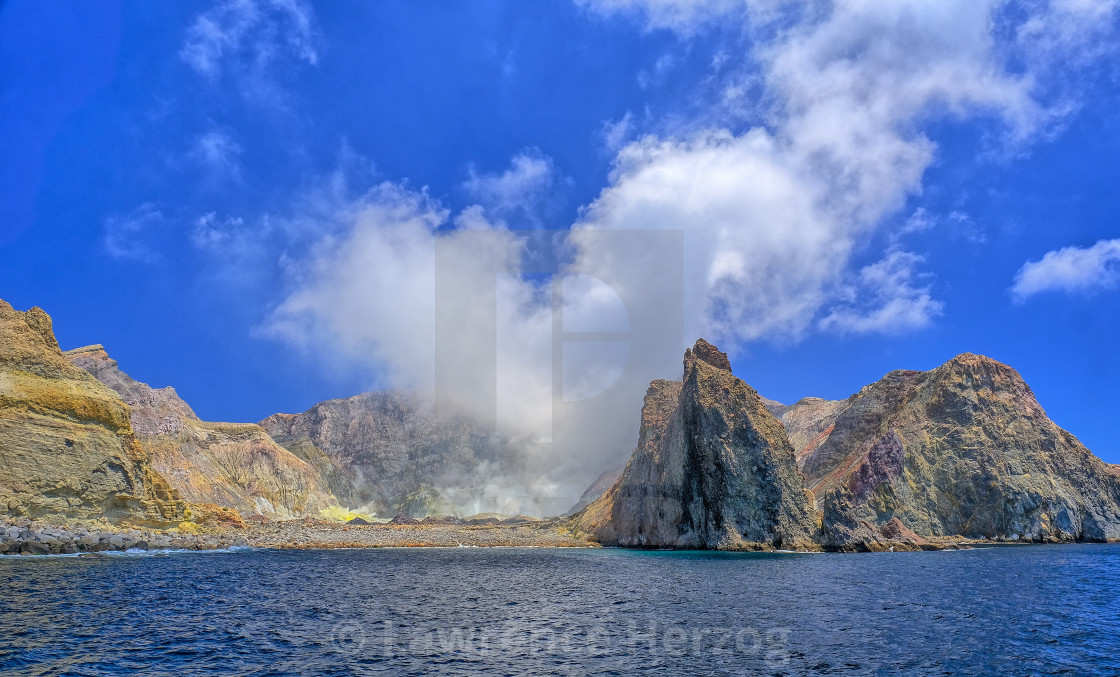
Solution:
(713, 469)
(964, 449)
(67, 446)
(392, 453)
(235, 465)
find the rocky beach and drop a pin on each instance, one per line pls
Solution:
(26, 537)
(23, 537)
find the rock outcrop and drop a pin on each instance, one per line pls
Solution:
(713, 470)
(67, 446)
(232, 465)
(895, 530)
(391, 453)
(962, 450)
(842, 530)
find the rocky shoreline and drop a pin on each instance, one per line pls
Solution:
(25, 537)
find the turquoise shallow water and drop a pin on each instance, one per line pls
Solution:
(996, 611)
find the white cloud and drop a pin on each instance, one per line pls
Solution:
(683, 16)
(368, 291)
(218, 154)
(245, 38)
(964, 227)
(884, 299)
(1071, 270)
(920, 221)
(517, 191)
(617, 133)
(124, 235)
(956, 224)
(757, 252)
(227, 236)
(659, 73)
(1068, 30)
(771, 214)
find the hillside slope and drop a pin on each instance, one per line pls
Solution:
(235, 465)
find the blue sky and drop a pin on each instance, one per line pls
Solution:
(236, 198)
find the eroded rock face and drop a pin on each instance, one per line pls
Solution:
(962, 450)
(842, 530)
(712, 470)
(895, 530)
(67, 447)
(392, 453)
(233, 465)
(808, 422)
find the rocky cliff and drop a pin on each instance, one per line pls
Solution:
(713, 470)
(67, 446)
(964, 449)
(234, 465)
(809, 422)
(391, 453)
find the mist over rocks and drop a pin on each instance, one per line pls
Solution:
(600, 486)
(394, 453)
(712, 470)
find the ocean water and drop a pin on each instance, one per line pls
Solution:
(1021, 610)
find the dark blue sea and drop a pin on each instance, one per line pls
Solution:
(1026, 610)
